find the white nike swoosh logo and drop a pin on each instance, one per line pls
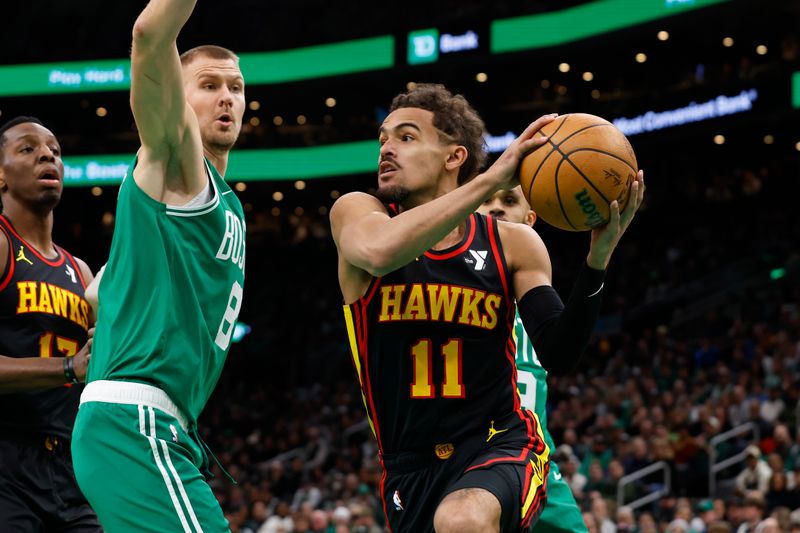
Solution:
(557, 476)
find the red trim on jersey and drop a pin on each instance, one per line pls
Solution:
(10, 267)
(490, 222)
(525, 488)
(382, 489)
(371, 289)
(75, 264)
(53, 263)
(432, 254)
(367, 382)
(511, 356)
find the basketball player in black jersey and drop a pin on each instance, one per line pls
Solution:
(44, 340)
(429, 288)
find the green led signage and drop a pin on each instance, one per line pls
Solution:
(260, 68)
(580, 22)
(796, 90)
(245, 165)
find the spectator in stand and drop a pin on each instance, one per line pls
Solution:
(625, 520)
(756, 473)
(319, 521)
(280, 521)
(679, 525)
(590, 522)
(779, 495)
(783, 445)
(772, 408)
(647, 524)
(769, 525)
(706, 515)
(601, 515)
(569, 470)
(752, 513)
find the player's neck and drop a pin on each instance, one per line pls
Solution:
(218, 158)
(36, 228)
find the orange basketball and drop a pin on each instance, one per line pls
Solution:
(571, 181)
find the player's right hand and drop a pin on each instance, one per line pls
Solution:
(505, 170)
(82, 358)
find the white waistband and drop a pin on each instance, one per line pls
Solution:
(130, 393)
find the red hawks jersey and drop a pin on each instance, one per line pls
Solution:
(43, 313)
(432, 344)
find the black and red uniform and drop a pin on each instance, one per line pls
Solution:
(433, 348)
(43, 313)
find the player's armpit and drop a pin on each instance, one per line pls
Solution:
(526, 257)
(88, 278)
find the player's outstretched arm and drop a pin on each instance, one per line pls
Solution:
(372, 241)
(171, 154)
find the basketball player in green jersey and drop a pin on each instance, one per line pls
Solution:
(561, 512)
(171, 290)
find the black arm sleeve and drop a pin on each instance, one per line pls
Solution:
(560, 333)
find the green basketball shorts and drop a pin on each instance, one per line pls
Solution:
(561, 513)
(137, 464)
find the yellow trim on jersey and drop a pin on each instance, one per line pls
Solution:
(537, 464)
(351, 336)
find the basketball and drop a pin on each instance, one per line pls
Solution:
(571, 181)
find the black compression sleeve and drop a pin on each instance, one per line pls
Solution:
(560, 333)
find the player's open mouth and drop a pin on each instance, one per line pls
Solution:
(385, 169)
(49, 176)
(225, 119)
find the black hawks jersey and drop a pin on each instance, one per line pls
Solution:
(432, 344)
(43, 313)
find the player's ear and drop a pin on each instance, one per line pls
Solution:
(530, 218)
(456, 156)
(2, 179)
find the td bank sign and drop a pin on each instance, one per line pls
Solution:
(424, 46)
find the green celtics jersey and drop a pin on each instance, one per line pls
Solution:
(171, 293)
(531, 379)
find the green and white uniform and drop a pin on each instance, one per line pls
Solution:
(169, 299)
(561, 512)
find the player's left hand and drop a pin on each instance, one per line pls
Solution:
(82, 358)
(606, 238)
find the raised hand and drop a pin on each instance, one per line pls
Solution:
(605, 238)
(507, 165)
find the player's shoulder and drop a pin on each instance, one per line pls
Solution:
(522, 245)
(354, 203)
(86, 272)
(515, 234)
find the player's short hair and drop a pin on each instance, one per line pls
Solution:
(208, 50)
(453, 116)
(15, 122)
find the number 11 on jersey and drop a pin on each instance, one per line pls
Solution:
(422, 356)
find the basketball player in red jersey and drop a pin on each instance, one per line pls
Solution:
(44, 322)
(430, 290)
